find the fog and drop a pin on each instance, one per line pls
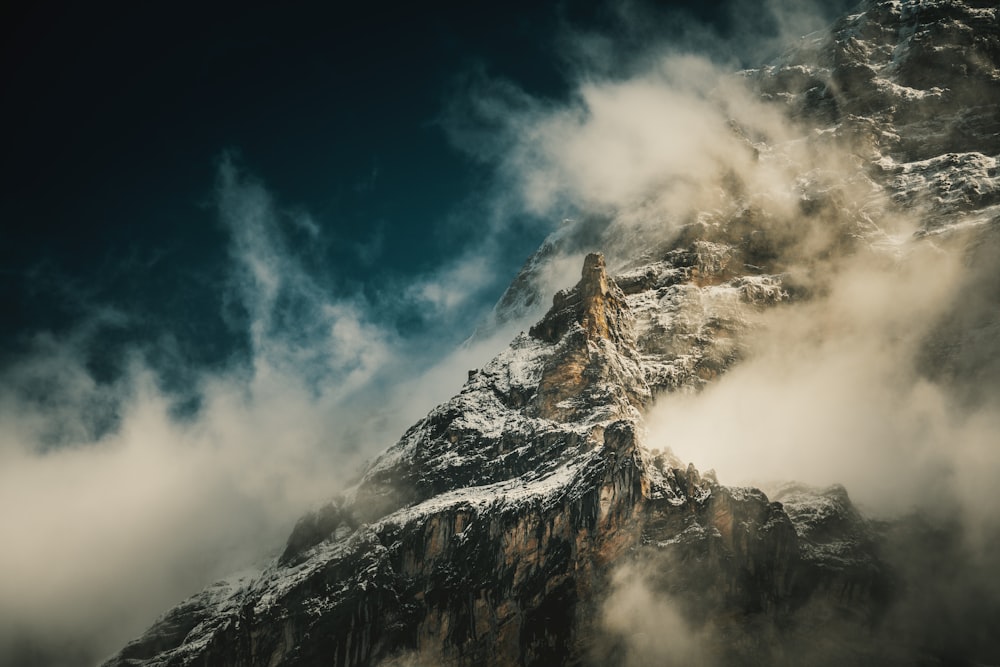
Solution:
(649, 626)
(833, 392)
(118, 498)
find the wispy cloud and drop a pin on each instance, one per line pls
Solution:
(117, 504)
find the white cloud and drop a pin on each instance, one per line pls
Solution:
(650, 626)
(115, 508)
(834, 393)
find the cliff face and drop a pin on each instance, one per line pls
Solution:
(489, 532)
(498, 526)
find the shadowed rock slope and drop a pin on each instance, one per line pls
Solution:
(488, 533)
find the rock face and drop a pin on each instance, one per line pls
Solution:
(488, 533)
(494, 531)
(594, 328)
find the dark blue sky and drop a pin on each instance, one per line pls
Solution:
(115, 121)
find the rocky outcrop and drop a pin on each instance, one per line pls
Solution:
(489, 532)
(912, 86)
(596, 362)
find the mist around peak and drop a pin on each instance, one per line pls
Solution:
(876, 370)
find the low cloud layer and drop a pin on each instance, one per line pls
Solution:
(121, 496)
(647, 627)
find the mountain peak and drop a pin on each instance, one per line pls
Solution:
(595, 303)
(600, 303)
(594, 279)
(596, 362)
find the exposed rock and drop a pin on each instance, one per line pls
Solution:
(490, 531)
(596, 362)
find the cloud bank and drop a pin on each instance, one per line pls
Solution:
(121, 496)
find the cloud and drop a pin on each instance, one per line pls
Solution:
(609, 146)
(121, 495)
(458, 280)
(834, 391)
(296, 323)
(647, 627)
(681, 138)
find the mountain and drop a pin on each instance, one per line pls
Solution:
(528, 521)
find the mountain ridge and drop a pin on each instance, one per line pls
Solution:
(497, 530)
(522, 537)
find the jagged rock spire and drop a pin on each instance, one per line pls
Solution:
(596, 366)
(595, 303)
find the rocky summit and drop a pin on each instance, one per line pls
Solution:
(520, 521)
